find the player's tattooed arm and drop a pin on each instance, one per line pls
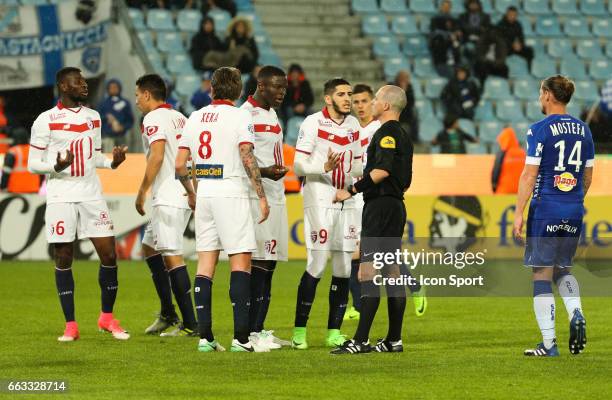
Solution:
(252, 169)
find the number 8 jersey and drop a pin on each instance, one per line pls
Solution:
(213, 135)
(563, 147)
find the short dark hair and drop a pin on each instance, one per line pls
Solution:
(449, 120)
(363, 88)
(269, 71)
(226, 83)
(560, 86)
(512, 8)
(153, 84)
(330, 86)
(64, 72)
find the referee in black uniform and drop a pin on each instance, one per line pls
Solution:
(387, 176)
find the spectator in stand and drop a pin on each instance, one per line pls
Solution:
(452, 139)
(408, 118)
(15, 175)
(509, 162)
(474, 23)
(203, 42)
(251, 84)
(444, 40)
(202, 97)
(241, 44)
(4, 121)
(227, 5)
(299, 98)
(511, 30)
(491, 56)
(599, 119)
(117, 117)
(461, 94)
(173, 101)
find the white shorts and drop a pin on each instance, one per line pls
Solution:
(67, 221)
(272, 235)
(331, 228)
(224, 223)
(165, 231)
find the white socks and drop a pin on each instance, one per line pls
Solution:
(544, 309)
(570, 292)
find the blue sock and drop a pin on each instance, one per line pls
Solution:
(240, 296)
(65, 290)
(162, 284)
(181, 286)
(305, 297)
(107, 278)
(338, 299)
(355, 286)
(202, 297)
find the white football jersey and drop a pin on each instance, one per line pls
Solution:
(318, 134)
(78, 130)
(365, 135)
(213, 134)
(165, 124)
(268, 148)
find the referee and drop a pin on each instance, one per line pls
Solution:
(387, 176)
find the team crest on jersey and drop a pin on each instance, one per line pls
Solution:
(351, 136)
(90, 124)
(565, 182)
(151, 130)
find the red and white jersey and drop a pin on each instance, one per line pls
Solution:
(165, 124)
(318, 134)
(213, 134)
(268, 148)
(78, 130)
(365, 135)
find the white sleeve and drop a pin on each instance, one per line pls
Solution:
(305, 163)
(246, 132)
(307, 137)
(101, 160)
(153, 129)
(39, 142)
(357, 161)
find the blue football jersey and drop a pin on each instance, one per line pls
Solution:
(563, 147)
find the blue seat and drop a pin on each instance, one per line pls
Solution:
(573, 67)
(179, 64)
(496, 89)
(34, 2)
(476, 148)
(533, 111)
(188, 20)
(187, 84)
(467, 125)
(528, 28)
(293, 129)
(484, 111)
(137, 18)
(423, 6)
(364, 6)
(488, 130)
(502, 5)
(404, 25)
(526, 89)
(434, 86)
(428, 129)
(222, 19)
(424, 109)
(11, 2)
(423, 67)
(375, 24)
(509, 110)
(146, 39)
(602, 27)
(593, 7)
(543, 67)
(393, 65)
(244, 5)
(520, 128)
(160, 20)
(487, 7)
(589, 49)
(577, 27)
(457, 6)
(574, 108)
(548, 26)
(565, 7)
(415, 46)
(538, 7)
(170, 42)
(517, 66)
(609, 49)
(601, 69)
(536, 43)
(440, 112)
(386, 46)
(267, 56)
(393, 6)
(586, 90)
(560, 47)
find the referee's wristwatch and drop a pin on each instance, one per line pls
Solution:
(351, 190)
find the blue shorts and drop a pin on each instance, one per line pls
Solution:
(552, 242)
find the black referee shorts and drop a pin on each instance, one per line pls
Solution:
(382, 225)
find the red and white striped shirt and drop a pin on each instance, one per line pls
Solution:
(268, 148)
(318, 134)
(78, 130)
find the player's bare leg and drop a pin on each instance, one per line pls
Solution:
(107, 277)
(167, 316)
(63, 254)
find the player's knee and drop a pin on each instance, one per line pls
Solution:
(63, 256)
(268, 265)
(560, 273)
(108, 257)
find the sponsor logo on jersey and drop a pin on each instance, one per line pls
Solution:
(151, 130)
(562, 227)
(565, 182)
(388, 142)
(209, 171)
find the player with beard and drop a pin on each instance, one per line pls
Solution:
(272, 234)
(328, 155)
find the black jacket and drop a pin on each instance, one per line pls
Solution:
(298, 95)
(201, 44)
(511, 32)
(456, 97)
(446, 146)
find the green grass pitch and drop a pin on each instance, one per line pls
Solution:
(462, 348)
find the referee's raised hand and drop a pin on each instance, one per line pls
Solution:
(333, 160)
